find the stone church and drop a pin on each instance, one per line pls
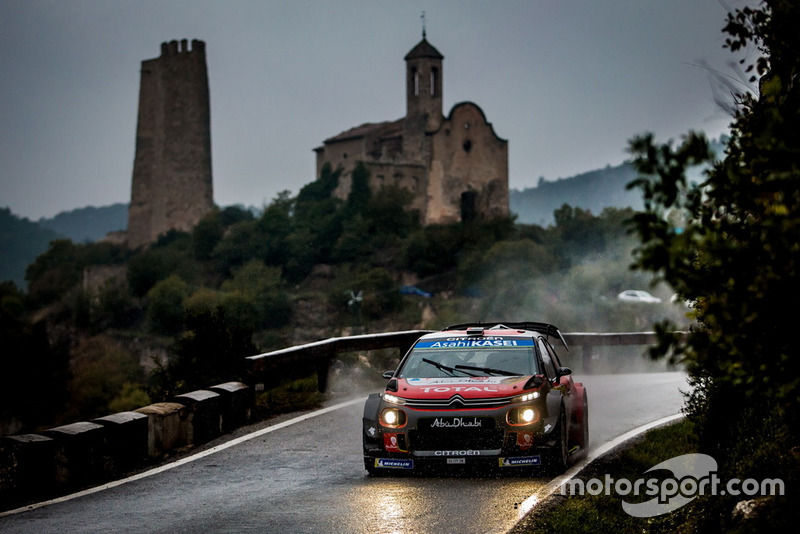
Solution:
(456, 166)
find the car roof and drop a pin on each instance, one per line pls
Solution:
(528, 328)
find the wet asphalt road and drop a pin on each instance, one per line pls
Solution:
(309, 477)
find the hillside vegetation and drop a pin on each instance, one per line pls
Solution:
(593, 191)
(112, 329)
(22, 240)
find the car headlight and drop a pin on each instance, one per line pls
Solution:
(526, 398)
(391, 399)
(393, 418)
(524, 415)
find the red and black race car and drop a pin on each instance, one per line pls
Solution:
(478, 394)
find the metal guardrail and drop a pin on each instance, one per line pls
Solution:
(319, 355)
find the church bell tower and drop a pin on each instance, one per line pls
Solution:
(423, 96)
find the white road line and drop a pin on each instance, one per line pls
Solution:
(555, 484)
(186, 460)
(526, 506)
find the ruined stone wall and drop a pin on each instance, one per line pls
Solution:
(172, 182)
(410, 176)
(345, 154)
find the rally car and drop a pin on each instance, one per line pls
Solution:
(479, 394)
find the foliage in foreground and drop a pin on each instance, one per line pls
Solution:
(731, 244)
(604, 513)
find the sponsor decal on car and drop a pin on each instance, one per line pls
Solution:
(458, 343)
(460, 388)
(524, 440)
(390, 463)
(456, 461)
(392, 443)
(473, 380)
(520, 461)
(457, 422)
(457, 453)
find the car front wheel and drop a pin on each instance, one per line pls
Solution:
(558, 456)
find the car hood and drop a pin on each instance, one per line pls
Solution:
(479, 387)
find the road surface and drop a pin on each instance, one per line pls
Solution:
(308, 477)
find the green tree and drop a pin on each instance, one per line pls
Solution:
(263, 286)
(579, 231)
(736, 254)
(157, 263)
(54, 272)
(242, 242)
(434, 249)
(100, 366)
(217, 337)
(131, 397)
(353, 244)
(318, 224)
(165, 305)
(275, 225)
(115, 307)
(360, 193)
(28, 357)
(380, 293)
(389, 214)
(206, 235)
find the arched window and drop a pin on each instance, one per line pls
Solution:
(434, 80)
(415, 81)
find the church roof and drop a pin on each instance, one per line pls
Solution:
(424, 50)
(381, 129)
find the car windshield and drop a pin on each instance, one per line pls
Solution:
(429, 360)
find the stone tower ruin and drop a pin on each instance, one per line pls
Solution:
(172, 186)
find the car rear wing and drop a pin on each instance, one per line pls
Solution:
(547, 329)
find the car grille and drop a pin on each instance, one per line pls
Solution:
(457, 402)
(446, 433)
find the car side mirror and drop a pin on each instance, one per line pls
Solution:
(388, 374)
(534, 382)
(564, 371)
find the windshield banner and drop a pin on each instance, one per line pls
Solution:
(462, 380)
(458, 343)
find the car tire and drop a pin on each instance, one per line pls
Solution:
(585, 423)
(558, 456)
(370, 467)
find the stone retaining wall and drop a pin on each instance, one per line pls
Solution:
(69, 457)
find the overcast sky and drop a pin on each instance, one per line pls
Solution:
(566, 82)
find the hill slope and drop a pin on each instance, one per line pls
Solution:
(592, 190)
(21, 241)
(90, 223)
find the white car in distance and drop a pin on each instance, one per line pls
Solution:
(636, 295)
